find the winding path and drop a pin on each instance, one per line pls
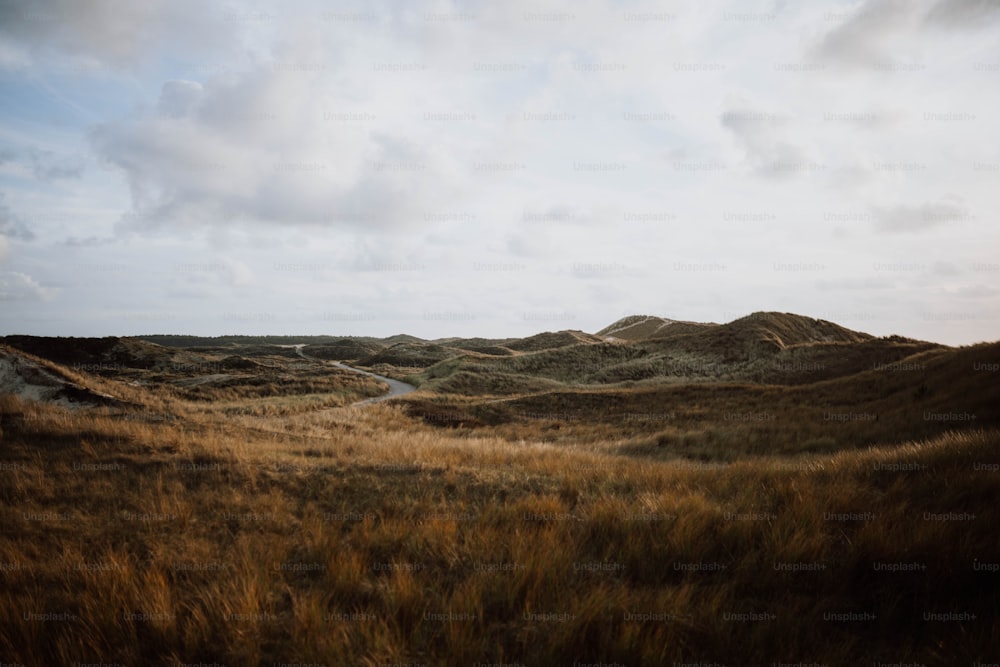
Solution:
(396, 387)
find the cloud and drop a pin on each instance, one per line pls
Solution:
(865, 37)
(555, 214)
(860, 284)
(976, 292)
(11, 225)
(885, 32)
(87, 242)
(259, 148)
(529, 243)
(762, 136)
(106, 32)
(946, 269)
(902, 219)
(47, 166)
(4, 248)
(237, 273)
(205, 274)
(963, 13)
(179, 98)
(16, 286)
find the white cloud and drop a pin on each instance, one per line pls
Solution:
(261, 149)
(237, 273)
(16, 286)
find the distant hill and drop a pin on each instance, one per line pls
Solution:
(494, 347)
(748, 339)
(782, 329)
(181, 340)
(787, 329)
(345, 349)
(762, 347)
(410, 354)
(551, 340)
(637, 327)
(668, 386)
(400, 338)
(94, 355)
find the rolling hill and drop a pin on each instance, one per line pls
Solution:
(638, 327)
(765, 347)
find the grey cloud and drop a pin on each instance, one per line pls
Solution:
(527, 243)
(762, 135)
(218, 271)
(47, 166)
(865, 38)
(945, 269)
(88, 242)
(11, 225)
(116, 34)
(964, 13)
(555, 214)
(861, 284)
(861, 38)
(189, 293)
(179, 98)
(976, 292)
(372, 257)
(901, 219)
(866, 120)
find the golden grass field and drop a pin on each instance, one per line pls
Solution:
(178, 528)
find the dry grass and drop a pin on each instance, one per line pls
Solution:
(720, 421)
(366, 536)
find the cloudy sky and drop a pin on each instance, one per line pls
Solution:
(497, 169)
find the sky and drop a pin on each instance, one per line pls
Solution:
(497, 169)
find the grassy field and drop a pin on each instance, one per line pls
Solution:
(243, 527)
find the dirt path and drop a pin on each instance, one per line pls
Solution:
(396, 387)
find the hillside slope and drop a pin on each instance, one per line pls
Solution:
(638, 327)
(33, 379)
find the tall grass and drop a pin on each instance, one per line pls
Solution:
(367, 537)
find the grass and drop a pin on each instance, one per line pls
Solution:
(368, 536)
(230, 508)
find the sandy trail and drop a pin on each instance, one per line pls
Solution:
(396, 387)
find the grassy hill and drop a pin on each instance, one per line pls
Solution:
(776, 489)
(367, 537)
(638, 327)
(345, 349)
(764, 348)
